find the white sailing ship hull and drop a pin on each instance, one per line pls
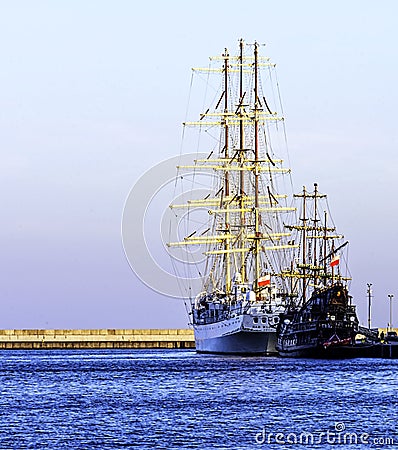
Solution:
(231, 336)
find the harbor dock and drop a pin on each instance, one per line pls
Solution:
(97, 339)
(110, 338)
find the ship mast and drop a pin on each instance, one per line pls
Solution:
(304, 219)
(238, 238)
(256, 174)
(241, 161)
(310, 265)
(226, 179)
(325, 243)
(315, 220)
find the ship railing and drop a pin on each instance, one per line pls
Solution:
(236, 311)
(221, 315)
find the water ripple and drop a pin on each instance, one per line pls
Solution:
(178, 399)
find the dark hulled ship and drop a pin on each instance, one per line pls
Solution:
(322, 321)
(323, 327)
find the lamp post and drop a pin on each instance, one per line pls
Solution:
(390, 296)
(369, 303)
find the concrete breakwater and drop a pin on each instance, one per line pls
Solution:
(96, 339)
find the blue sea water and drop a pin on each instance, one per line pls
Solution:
(164, 399)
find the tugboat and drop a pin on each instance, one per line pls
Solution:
(243, 237)
(323, 323)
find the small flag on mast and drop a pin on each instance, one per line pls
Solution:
(335, 261)
(264, 281)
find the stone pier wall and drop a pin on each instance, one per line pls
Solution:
(102, 338)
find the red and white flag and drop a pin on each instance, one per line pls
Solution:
(264, 281)
(335, 261)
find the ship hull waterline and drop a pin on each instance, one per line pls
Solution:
(230, 337)
(334, 352)
(241, 343)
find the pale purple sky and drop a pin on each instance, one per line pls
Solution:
(93, 94)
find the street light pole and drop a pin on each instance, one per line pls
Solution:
(390, 296)
(369, 303)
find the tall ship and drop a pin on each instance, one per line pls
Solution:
(321, 321)
(243, 237)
